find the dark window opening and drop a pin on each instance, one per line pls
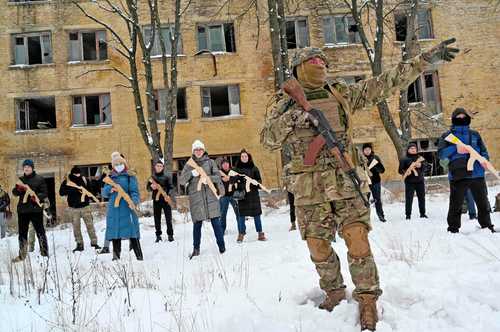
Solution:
(423, 22)
(340, 29)
(434, 168)
(297, 33)
(36, 113)
(32, 49)
(88, 46)
(428, 93)
(160, 95)
(414, 92)
(91, 110)
(220, 101)
(94, 175)
(51, 197)
(217, 38)
(167, 34)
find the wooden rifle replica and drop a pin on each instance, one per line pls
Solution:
(85, 192)
(326, 136)
(160, 192)
(29, 192)
(413, 167)
(249, 181)
(204, 178)
(121, 194)
(474, 155)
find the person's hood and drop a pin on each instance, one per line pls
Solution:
(75, 179)
(460, 121)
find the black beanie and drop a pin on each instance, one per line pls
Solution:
(411, 145)
(460, 121)
(76, 170)
(367, 145)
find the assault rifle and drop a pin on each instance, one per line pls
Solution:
(161, 192)
(474, 155)
(249, 181)
(85, 192)
(29, 192)
(413, 167)
(204, 178)
(326, 136)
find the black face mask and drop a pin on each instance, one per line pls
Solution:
(461, 121)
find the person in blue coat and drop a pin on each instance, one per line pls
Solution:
(122, 222)
(460, 178)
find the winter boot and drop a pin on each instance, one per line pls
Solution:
(136, 246)
(408, 217)
(240, 238)
(170, 238)
(222, 250)
(104, 250)
(492, 228)
(333, 298)
(196, 252)
(293, 227)
(262, 237)
(158, 238)
(79, 247)
(368, 317)
(117, 249)
(423, 215)
(381, 218)
(95, 246)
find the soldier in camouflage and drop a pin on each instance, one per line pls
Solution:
(325, 199)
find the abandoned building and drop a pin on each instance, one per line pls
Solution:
(61, 107)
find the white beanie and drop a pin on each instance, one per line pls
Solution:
(198, 145)
(116, 158)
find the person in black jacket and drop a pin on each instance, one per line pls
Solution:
(161, 179)
(4, 206)
(227, 199)
(250, 205)
(29, 209)
(78, 209)
(375, 171)
(413, 183)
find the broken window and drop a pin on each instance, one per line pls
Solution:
(425, 89)
(297, 33)
(36, 113)
(423, 29)
(167, 34)
(216, 37)
(91, 110)
(220, 101)
(161, 95)
(428, 149)
(32, 48)
(88, 46)
(340, 29)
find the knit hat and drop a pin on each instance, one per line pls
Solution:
(197, 145)
(117, 158)
(412, 144)
(76, 170)
(460, 122)
(367, 145)
(29, 162)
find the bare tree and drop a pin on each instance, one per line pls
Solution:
(140, 64)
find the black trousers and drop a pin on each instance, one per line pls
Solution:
(158, 207)
(291, 202)
(134, 245)
(479, 192)
(410, 189)
(376, 190)
(36, 218)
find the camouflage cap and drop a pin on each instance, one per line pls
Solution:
(305, 54)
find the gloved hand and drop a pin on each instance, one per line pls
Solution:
(195, 173)
(441, 52)
(33, 199)
(20, 187)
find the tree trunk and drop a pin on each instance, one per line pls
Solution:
(275, 29)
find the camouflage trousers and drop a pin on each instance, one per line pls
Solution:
(351, 219)
(74, 215)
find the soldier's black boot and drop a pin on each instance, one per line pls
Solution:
(79, 247)
(104, 250)
(196, 252)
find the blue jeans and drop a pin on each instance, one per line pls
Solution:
(224, 206)
(242, 228)
(376, 192)
(219, 235)
(471, 207)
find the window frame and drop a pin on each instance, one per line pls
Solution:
(26, 111)
(422, 90)
(25, 36)
(81, 48)
(429, 20)
(227, 86)
(296, 19)
(84, 110)
(346, 17)
(207, 27)
(92, 182)
(156, 94)
(157, 48)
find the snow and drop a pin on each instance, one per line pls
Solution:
(432, 280)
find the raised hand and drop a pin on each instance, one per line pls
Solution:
(441, 52)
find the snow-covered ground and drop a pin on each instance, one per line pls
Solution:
(432, 281)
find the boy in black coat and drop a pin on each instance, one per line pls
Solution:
(161, 179)
(376, 169)
(413, 183)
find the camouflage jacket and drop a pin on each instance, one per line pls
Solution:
(287, 124)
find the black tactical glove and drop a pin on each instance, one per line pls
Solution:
(441, 52)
